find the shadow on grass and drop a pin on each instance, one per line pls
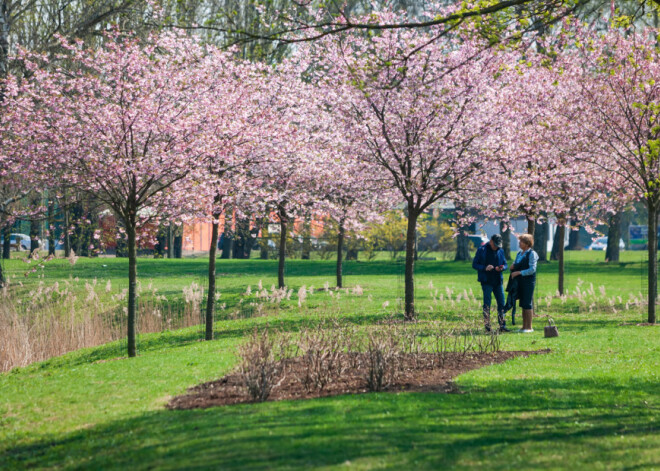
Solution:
(427, 431)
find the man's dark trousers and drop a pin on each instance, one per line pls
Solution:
(497, 291)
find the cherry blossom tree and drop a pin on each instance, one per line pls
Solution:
(541, 174)
(351, 197)
(421, 120)
(122, 123)
(613, 99)
(246, 127)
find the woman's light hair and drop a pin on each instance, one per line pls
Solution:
(528, 239)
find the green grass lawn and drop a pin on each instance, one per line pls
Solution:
(593, 403)
(383, 279)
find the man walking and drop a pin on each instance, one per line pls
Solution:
(489, 262)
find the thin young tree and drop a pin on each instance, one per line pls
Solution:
(613, 99)
(421, 120)
(122, 123)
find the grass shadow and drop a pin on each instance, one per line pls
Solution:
(427, 431)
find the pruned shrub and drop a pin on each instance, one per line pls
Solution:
(382, 358)
(322, 353)
(258, 367)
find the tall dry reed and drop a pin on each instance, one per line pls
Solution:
(49, 321)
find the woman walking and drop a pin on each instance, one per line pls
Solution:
(525, 268)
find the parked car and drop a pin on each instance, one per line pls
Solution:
(477, 239)
(19, 242)
(601, 244)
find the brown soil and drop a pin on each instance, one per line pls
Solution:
(422, 372)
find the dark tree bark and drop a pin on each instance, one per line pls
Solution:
(210, 299)
(161, 242)
(351, 253)
(541, 241)
(227, 237)
(561, 231)
(531, 225)
(34, 236)
(340, 250)
(554, 253)
(67, 235)
(574, 239)
(241, 239)
(170, 241)
(51, 228)
(250, 241)
(6, 243)
(282, 250)
(653, 260)
(505, 232)
(178, 242)
(131, 228)
(238, 247)
(409, 281)
(613, 237)
(462, 247)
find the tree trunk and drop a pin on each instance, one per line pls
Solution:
(210, 299)
(613, 237)
(178, 242)
(227, 237)
(653, 259)
(531, 225)
(561, 230)
(67, 236)
(132, 282)
(462, 247)
(51, 228)
(574, 239)
(554, 253)
(6, 243)
(541, 240)
(161, 242)
(282, 252)
(506, 239)
(34, 236)
(351, 254)
(170, 240)
(340, 250)
(409, 282)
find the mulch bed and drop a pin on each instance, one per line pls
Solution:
(421, 372)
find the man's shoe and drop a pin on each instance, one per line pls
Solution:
(504, 329)
(487, 328)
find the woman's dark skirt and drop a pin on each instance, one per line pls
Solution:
(526, 291)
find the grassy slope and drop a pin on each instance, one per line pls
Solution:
(593, 403)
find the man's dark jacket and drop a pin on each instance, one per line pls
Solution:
(479, 263)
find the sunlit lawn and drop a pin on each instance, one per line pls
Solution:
(593, 403)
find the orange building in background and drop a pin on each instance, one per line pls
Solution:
(197, 235)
